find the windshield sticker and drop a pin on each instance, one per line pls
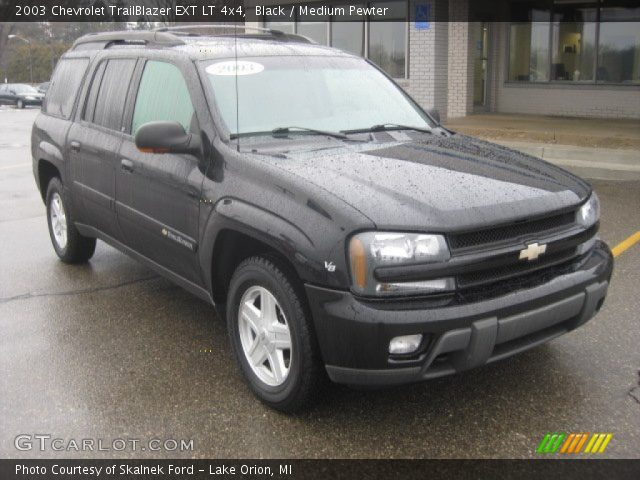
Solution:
(229, 68)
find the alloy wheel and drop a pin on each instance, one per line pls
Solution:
(265, 336)
(58, 219)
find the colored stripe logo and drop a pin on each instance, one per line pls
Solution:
(572, 443)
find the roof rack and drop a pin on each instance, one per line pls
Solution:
(173, 36)
(278, 34)
(214, 26)
(105, 39)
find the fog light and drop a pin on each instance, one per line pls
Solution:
(405, 344)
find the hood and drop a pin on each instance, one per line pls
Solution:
(437, 183)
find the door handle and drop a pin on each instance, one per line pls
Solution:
(75, 146)
(126, 165)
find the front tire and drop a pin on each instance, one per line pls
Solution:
(20, 104)
(68, 243)
(271, 334)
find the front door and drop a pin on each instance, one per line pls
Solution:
(158, 195)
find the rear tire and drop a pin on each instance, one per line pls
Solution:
(277, 352)
(68, 243)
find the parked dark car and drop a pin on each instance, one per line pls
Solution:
(19, 94)
(43, 87)
(335, 224)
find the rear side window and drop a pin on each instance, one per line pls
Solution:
(111, 94)
(64, 86)
(163, 95)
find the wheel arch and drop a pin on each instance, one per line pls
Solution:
(46, 171)
(237, 230)
(231, 248)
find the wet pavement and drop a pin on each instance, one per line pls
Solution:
(110, 350)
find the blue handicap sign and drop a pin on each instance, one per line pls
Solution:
(422, 17)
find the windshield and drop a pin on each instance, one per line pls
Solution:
(22, 88)
(322, 93)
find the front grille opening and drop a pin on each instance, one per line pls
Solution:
(484, 277)
(503, 233)
(503, 287)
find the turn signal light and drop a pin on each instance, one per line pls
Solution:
(358, 262)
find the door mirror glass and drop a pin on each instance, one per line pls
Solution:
(166, 137)
(433, 113)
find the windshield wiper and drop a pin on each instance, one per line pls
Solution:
(389, 126)
(285, 130)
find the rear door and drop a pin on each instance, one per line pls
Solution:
(94, 142)
(50, 128)
(158, 196)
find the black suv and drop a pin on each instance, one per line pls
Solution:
(339, 228)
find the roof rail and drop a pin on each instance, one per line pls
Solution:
(105, 39)
(218, 26)
(184, 30)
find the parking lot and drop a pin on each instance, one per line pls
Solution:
(110, 350)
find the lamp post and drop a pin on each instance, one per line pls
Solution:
(28, 42)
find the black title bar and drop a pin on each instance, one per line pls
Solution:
(318, 469)
(240, 11)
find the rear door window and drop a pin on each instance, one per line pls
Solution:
(64, 86)
(162, 95)
(92, 96)
(111, 94)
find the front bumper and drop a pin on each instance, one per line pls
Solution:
(37, 101)
(354, 334)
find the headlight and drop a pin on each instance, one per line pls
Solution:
(589, 213)
(378, 249)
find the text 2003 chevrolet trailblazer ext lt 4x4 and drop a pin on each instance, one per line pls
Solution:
(341, 227)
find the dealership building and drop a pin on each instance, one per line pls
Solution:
(548, 57)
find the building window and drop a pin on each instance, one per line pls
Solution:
(574, 41)
(619, 45)
(388, 40)
(316, 30)
(529, 52)
(347, 33)
(384, 43)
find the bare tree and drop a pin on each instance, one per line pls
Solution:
(6, 29)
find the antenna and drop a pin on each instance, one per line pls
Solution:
(235, 41)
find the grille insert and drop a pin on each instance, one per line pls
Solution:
(510, 232)
(482, 277)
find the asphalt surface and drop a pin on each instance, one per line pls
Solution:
(110, 350)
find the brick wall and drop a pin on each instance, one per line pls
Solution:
(428, 59)
(606, 101)
(460, 60)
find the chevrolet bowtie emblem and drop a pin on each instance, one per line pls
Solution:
(532, 252)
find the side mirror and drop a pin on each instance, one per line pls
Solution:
(12, 92)
(433, 113)
(166, 137)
